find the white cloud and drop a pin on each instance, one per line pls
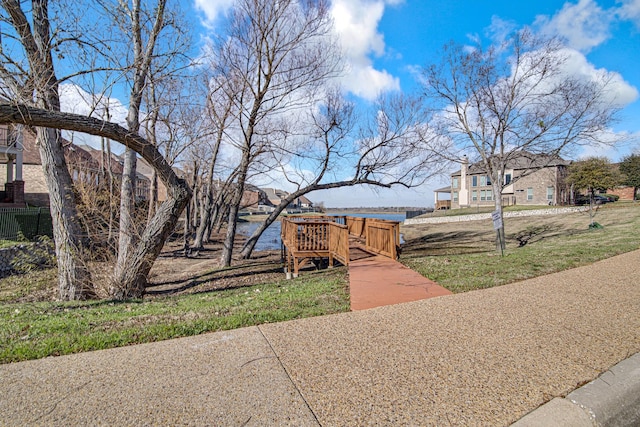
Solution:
(74, 99)
(500, 29)
(356, 24)
(212, 10)
(619, 91)
(630, 10)
(584, 25)
(615, 146)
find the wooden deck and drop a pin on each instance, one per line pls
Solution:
(309, 238)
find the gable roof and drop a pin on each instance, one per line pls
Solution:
(520, 160)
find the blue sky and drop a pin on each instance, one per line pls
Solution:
(386, 41)
(607, 33)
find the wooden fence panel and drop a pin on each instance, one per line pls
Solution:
(383, 237)
(356, 225)
(339, 242)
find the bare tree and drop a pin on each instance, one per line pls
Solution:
(219, 113)
(277, 55)
(27, 72)
(390, 146)
(165, 218)
(516, 101)
(36, 68)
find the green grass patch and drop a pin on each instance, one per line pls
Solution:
(462, 256)
(36, 330)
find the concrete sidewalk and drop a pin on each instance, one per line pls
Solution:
(481, 358)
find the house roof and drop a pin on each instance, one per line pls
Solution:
(306, 201)
(521, 160)
(443, 190)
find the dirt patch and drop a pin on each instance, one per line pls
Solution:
(174, 273)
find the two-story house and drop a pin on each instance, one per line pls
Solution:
(528, 180)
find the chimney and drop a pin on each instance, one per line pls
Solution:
(463, 195)
(465, 167)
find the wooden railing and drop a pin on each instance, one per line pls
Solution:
(443, 204)
(308, 237)
(339, 243)
(383, 237)
(356, 225)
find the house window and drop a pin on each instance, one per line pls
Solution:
(474, 181)
(550, 194)
(489, 194)
(507, 179)
(455, 182)
(488, 180)
(530, 193)
(455, 196)
(483, 181)
(483, 195)
(474, 195)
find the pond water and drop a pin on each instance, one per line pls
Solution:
(270, 239)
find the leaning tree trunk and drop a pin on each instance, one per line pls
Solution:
(151, 242)
(131, 281)
(250, 244)
(74, 278)
(234, 207)
(153, 196)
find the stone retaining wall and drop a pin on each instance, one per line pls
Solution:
(485, 216)
(35, 253)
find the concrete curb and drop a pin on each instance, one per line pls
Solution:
(612, 399)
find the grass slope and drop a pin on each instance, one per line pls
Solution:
(35, 330)
(462, 256)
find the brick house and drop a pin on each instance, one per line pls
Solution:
(624, 193)
(275, 197)
(83, 163)
(529, 180)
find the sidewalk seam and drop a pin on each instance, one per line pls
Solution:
(286, 371)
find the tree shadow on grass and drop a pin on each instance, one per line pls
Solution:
(446, 243)
(227, 274)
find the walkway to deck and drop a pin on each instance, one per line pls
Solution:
(376, 280)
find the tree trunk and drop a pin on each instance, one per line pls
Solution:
(250, 244)
(155, 234)
(127, 237)
(234, 207)
(205, 220)
(501, 244)
(153, 196)
(186, 230)
(74, 278)
(227, 248)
